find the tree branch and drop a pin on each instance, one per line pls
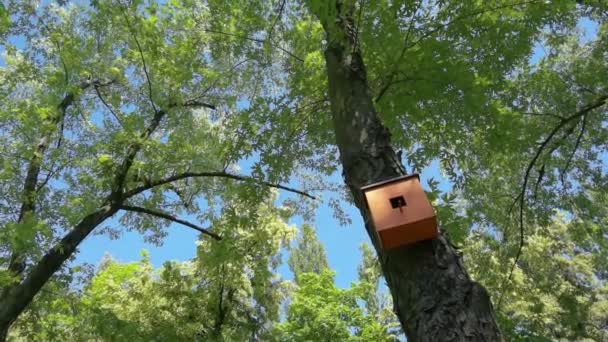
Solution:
(194, 103)
(143, 60)
(30, 184)
(170, 218)
(107, 105)
(521, 197)
(392, 75)
(16, 297)
(221, 174)
(576, 145)
(117, 194)
(276, 19)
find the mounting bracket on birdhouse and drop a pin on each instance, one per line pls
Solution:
(401, 212)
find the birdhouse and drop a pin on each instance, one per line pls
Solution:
(401, 212)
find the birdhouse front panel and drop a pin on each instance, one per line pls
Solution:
(401, 212)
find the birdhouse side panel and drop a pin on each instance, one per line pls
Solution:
(409, 234)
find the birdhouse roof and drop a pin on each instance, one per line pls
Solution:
(389, 181)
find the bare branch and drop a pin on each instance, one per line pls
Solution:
(170, 218)
(220, 174)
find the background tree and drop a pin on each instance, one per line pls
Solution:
(318, 310)
(220, 295)
(557, 290)
(228, 292)
(308, 256)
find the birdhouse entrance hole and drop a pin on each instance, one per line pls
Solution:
(397, 202)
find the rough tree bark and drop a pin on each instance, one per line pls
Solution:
(433, 295)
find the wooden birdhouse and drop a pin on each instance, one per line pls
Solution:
(401, 212)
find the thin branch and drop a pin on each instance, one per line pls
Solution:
(466, 16)
(107, 105)
(506, 282)
(117, 193)
(170, 218)
(143, 60)
(411, 25)
(220, 174)
(276, 19)
(356, 40)
(61, 130)
(229, 74)
(392, 75)
(541, 174)
(257, 40)
(194, 103)
(48, 177)
(576, 145)
(521, 197)
(393, 82)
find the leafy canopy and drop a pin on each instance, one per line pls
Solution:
(518, 133)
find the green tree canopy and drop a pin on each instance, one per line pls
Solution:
(147, 111)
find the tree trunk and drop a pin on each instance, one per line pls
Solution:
(433, 295)
(17, 297)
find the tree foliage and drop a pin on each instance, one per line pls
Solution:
(309, 254)
(228, 292)
(155, 112)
